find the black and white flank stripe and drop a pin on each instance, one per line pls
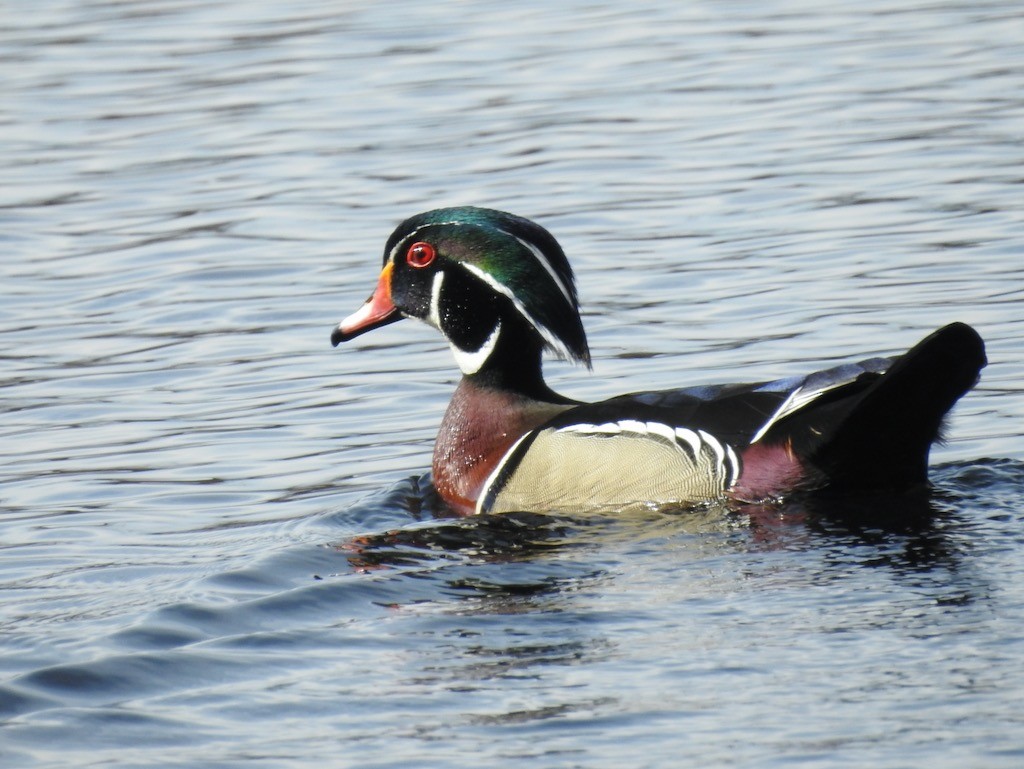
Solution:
(622, 464)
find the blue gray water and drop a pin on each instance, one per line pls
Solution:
(216, 551)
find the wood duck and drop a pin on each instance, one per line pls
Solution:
(501, 291)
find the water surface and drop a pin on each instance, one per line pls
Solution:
(217, 548)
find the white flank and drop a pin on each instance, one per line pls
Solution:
(727, 464)
(471, 362)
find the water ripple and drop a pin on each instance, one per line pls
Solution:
(218, 543)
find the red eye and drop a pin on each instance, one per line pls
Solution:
(420, 254)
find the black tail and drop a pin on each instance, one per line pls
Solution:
(883, 439)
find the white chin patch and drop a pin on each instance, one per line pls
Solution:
(471, 362)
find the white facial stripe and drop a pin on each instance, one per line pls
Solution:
(550, 338)
(392, 257)
(537, 253)
(410, 238)
(539, 256)
(471, 362)
(435, 300)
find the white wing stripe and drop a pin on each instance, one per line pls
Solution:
(796, 401)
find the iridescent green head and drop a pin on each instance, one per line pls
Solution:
(474, 273)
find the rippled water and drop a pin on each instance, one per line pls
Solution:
(215, 547)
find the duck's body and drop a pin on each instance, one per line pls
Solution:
(501, 291)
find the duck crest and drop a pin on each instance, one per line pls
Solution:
(515, 259)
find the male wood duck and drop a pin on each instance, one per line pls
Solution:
(501, 291)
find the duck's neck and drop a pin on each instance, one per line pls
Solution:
(489, 412)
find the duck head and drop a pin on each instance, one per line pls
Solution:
(496, 285)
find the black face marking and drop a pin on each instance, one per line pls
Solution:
(468, 314)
